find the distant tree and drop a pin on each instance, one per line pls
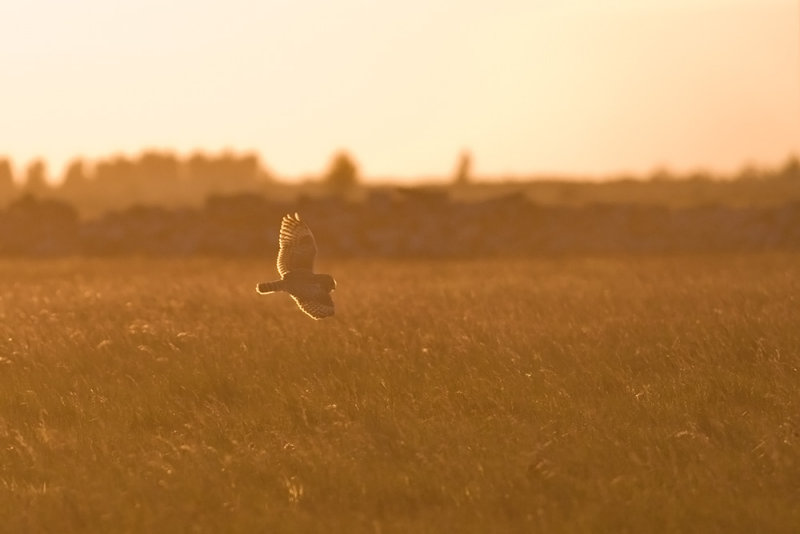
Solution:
(40, 227)
(7, 187)
(463, 174)
(251, 168)
(661, 174)
(157, 168)
(75, 180)
(342, 174)
(113, 170)
(196, 166)
(749, 173)
(116, 174)
(791, 169)
(36, 178)
(225, 173)
(700, 175)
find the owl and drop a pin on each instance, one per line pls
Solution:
(311, 292)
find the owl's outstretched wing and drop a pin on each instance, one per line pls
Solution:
(317, 306)
(297, 246)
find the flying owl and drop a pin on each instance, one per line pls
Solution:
(311, 292)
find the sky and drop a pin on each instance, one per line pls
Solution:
(529, 87)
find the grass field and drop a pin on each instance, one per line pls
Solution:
(552, 395)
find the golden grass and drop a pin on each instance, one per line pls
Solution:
(588, 395)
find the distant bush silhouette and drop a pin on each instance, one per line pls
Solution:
(412, 222)
(226, 173)
(463, 174)
(7, 187)
(75, 181)
(36, 178)
(34, 227)
(342, 174)
(791, 169)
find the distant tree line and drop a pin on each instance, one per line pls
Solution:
(163, 178)
(397, 223)
(157, 178)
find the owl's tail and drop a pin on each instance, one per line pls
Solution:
(270, 287)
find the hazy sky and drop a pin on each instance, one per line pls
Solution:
(529, 86)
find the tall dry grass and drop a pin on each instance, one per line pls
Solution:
(553, 395)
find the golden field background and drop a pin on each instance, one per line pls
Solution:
(606, 394)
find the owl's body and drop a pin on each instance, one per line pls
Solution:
(310, 291)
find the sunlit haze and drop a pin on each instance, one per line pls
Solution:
(529, 87)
